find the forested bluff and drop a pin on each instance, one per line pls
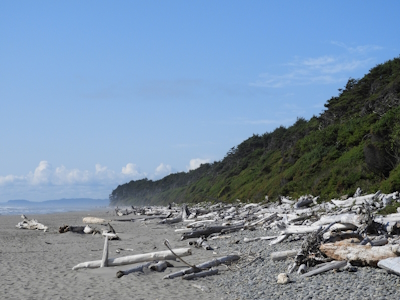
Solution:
(354, 142)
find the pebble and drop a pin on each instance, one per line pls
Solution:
(259, 279)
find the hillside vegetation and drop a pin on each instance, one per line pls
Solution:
(354, 143)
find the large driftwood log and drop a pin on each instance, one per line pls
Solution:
(132, 259)
(367, 199)
(200, 274)
(205, 265)
(342, 218)
(94, 220)
(326, 267)
(359, 254)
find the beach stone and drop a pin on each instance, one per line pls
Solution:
(283, 278)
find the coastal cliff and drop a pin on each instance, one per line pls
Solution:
(354, 142)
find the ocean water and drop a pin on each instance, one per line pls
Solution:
(32, 210)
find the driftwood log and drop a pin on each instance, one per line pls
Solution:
(200, 274)
(94, 220)
(135, 269)
(326, 267)
(205, 265)
(359, 254)
(282, 255)
(132, 259)
(104, 259)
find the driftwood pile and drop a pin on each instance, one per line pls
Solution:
(339, 234)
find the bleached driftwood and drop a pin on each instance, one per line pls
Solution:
(367, 199)
(132, 259)
(391, 264)
(265, 219)
(212, 263)
(200, 274)
(261, 238)
(342, 227)
(94, 220)
(135, 269)
(197, 223)
(110, 236)
(341, 218)
(282, 255)
(287, 201)
(104, 259)
(299, 229)
(279, 239)
(359, 254)
(31, 224)
(326, 267)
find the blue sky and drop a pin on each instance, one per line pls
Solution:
(97, 93)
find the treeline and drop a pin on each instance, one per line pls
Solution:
(354, 142)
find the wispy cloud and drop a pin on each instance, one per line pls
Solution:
(362, 49)
(326, 69)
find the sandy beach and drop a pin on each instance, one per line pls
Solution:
(38, 265)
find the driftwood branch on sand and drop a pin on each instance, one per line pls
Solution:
(126, 260)
(327, 267)
(200, 274)
(206, 265)
(135, 269)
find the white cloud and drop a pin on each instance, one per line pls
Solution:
(130, 170)
(101, 169)
(42, 173)
(196, 162)
(163, 170)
